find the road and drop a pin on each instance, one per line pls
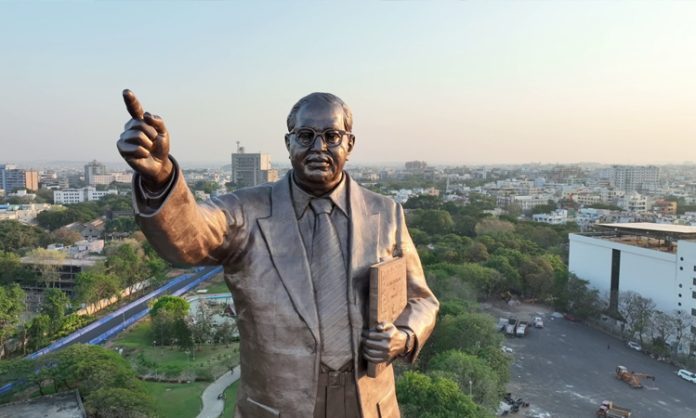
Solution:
(212, 405)
(567, 369)
(113, 323)
(87, 336)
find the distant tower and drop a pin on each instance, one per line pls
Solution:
(251, 169)
(93, 169)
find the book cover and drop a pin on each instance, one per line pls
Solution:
(388, 298)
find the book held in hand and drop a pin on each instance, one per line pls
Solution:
(388, 298)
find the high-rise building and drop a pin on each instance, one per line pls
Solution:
(252, 169)
(632, 178)
(92, 170)
(13, 179)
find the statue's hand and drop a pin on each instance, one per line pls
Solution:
(383, 342)
(144, 144)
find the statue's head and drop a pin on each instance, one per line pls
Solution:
(319, 140)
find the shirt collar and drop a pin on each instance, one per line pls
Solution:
(338, 196)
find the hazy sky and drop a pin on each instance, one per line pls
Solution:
(446, 82)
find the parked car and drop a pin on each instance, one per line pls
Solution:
(522, 329)
(571, 317)
(634, 345)
(538, 322)
(687, 375)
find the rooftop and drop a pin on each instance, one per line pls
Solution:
(647, 229)
(60, 405)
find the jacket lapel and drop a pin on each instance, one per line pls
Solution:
(364, 234)
(288, 254)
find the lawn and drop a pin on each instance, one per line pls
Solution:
(174, 400)
(208, 362)
(230, 400)
(215, 285)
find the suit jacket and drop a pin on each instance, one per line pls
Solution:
(254, 234)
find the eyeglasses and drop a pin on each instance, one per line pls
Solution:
(307, 136)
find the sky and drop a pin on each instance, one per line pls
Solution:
(469, 82)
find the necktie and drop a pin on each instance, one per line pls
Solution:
(330, 287)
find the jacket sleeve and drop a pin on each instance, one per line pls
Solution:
(184, 232)
(421, 311)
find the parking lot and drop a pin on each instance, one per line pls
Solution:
(566, 369)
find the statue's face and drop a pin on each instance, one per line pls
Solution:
(318, 167)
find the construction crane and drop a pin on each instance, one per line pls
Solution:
(631, 377)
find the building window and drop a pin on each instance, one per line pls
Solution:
(679, 304)
(693, 312)
(681, 268)
(681, 258)
(693, 295)
(680, 295)
(694, 281)
(680, 285)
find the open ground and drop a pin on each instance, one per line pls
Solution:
(566, 369)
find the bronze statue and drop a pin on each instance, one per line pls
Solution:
(296, 255)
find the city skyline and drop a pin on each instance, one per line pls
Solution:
(457, 83)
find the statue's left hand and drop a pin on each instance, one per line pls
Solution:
(383, 343)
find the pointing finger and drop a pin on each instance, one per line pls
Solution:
(132, 104)
(156, 122)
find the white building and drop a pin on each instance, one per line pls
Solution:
(557, 217)
(635, 202)
(657, 261)
(86, 194)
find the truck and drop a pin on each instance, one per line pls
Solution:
(610, 410)
(632, 378)
(511, 326)
(522, 329)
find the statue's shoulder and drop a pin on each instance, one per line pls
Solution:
(251, 198)
(375, 200)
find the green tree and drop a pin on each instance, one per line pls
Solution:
(11, 269)
(485, 280)
(447, 285)
(65, 236)
(492, 226)
(470, 332)
(175, 305)
(114, 402)
(18, 237)
(12, 306)
(422, 396)
(423, 202)
(55, 218)
(498, 361)
(54, 305)
(431, 221)
(537, 277)
(471, 374)
(95, 371)
(39, 332)
(93, 286)
(580, 299)
(127, 262)
(169, 325)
